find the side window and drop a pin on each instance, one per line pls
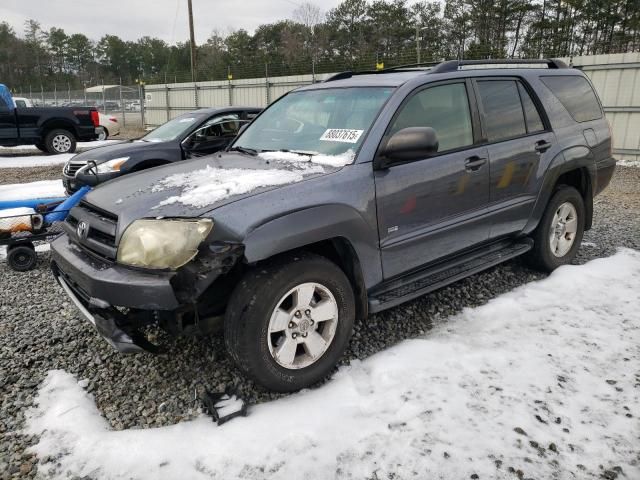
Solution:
(576, 95)
(445, 108)
(221, 126)
(20, 103)
(531, 114)
(503, 116)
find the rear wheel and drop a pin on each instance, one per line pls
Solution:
(559, 234)
(104, 134)
(288, 323)
(22, 257)
(60, 141)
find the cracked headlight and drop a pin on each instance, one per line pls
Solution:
(168, 243)
(111, 165)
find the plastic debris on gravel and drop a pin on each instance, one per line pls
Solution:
(541, 382)
(26, 191)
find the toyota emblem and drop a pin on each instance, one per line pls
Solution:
(82, 230)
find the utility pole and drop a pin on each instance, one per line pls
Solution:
(192, 43)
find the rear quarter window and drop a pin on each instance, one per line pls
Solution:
(576, 95)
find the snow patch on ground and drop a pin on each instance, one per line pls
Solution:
(32, 161)
(25, 191)
(542, 380)
(336, 161)
(628, 163)
(209, 185)
(34, 149)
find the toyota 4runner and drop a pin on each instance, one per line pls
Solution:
(342, 199)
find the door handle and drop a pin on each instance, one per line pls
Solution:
(542, 146)
(474, 163)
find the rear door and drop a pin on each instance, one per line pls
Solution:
(518, 136)
(433, 207)
(8, 125)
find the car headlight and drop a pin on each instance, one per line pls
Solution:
(168, 243)
(111, 165)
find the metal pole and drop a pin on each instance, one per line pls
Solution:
(104, 103)
(418, 43)
(30, 94)
(229, 77)
(141, 96)
(266, 83)
(122, 104)
(55, 94)
(192, 44)
(42, 94)
(69, 92)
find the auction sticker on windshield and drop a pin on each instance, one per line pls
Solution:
(341, 135)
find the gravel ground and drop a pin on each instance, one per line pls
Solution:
(40, 330)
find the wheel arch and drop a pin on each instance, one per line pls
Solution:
(55, 124)
(574, 167)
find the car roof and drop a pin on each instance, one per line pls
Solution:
(394, 77)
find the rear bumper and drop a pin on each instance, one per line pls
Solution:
(102, 284)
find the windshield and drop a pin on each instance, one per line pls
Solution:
(325, 121)
(172, 129)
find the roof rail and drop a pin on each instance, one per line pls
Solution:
(349, 74)
(454, 65)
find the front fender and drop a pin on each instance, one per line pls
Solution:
(311, 225)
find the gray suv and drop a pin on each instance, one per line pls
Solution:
(342, 199)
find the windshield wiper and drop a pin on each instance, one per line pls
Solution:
(285, 150)
(248, 151)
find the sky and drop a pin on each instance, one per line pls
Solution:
(165, 19)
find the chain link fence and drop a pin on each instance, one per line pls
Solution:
(124, 102)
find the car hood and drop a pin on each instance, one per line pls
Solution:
(193, 187)
(126, 148)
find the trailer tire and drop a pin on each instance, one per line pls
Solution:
(60, 141)
(22, 257)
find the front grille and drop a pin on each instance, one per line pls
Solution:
(72, 167)
(100, 236)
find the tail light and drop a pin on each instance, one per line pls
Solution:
(113, 119)
(95, 118)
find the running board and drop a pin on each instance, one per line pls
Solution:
(408, 287)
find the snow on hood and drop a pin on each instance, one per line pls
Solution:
(336, 161)
(206, 186)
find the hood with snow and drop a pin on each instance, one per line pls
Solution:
(194, 187)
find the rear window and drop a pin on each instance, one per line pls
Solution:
(576, 95)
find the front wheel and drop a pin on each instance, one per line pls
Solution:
(559, 234)
(288, 323)
(60, 141)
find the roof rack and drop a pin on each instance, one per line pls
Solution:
(454, 65)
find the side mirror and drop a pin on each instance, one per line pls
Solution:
(412, 143)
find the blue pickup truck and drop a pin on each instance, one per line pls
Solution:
(52, 129)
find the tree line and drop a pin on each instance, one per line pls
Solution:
(357, 34)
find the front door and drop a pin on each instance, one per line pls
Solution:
(433, 207)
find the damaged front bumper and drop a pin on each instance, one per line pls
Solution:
(118, 300)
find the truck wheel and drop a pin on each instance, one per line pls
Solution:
(22, 257)
(60, 141)
(288, 323)
(559, 234)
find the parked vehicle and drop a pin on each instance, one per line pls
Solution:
(342, 199)
(192, 134)
(110, 127)
(51, 129)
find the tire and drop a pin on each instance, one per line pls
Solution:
(104, 135)
(60, 141)
(41, 147)
(542, 256)
(249, 330)
(22, 257)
